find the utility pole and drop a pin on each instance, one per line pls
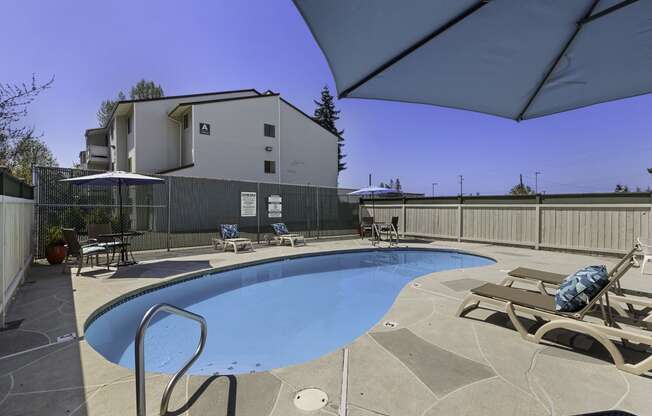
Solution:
(536, 182)
(370, 179)
(461, 184)
(433, 188)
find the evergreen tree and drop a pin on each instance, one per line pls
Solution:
(106, 109)
(326, 114)
(398, 186)
(145, 90)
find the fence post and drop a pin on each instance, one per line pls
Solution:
(404, 227)
(459, 219)
(169, 211)
(318, 223)
(537, 240)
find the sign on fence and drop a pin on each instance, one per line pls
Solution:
(247, 204)
(274, 206)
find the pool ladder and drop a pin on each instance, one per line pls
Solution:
(139, 347)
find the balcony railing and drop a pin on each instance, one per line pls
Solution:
(93, 150)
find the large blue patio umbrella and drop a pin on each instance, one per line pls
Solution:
(115, 178)
(373, 191)
(518, 59)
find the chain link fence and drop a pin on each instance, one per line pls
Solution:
(187, 212)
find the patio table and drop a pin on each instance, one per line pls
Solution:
(124, 245)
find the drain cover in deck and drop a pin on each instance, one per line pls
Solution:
(310, 399)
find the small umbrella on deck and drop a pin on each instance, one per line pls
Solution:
(115, 178)
(373, 191)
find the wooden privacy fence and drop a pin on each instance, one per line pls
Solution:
(589, 227)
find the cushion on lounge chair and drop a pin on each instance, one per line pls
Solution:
(280, 229)
(229, 231)
(577, 290)
(86, 250)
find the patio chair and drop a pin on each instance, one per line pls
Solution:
(366, 226)
(81, 251)
(282, 235)
(95, 232)
(542, 307)
(646, 252)
(230, 237)
(390, 231)
(623, 300)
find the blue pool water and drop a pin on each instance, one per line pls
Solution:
(269, 315)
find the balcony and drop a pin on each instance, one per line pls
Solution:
(97, 157)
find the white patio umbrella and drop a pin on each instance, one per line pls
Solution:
(115, 178)
(518, 59)
(373, 191)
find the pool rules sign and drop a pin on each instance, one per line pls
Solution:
(274, 206)
(247, 204)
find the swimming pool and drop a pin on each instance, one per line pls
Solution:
(268, 315)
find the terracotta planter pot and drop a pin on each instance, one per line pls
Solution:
(55, 254)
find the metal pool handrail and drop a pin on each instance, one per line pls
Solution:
(140, 355)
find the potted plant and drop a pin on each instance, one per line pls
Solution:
(56, 246)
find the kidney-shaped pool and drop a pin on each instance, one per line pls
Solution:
(268, 315)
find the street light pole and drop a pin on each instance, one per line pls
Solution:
(536, 182)
(433, 188)
(461, 182)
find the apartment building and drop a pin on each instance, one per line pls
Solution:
(240, 135)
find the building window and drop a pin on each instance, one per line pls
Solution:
(128, 125)
(129, 165)
(270, 166)
(185, 121)
(269, 130)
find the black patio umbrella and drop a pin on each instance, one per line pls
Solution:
(518, 59)
(112, 179)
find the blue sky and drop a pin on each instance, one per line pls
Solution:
(94, 49)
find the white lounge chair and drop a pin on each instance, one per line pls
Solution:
(281, 234)
(230, 237)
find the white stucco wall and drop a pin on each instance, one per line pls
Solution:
(235, 148)
(308, 151)
(304, 152)
(157, 137)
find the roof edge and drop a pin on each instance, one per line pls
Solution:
(220, 100)
(171, 97)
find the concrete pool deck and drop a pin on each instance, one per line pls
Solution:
(430, 363)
